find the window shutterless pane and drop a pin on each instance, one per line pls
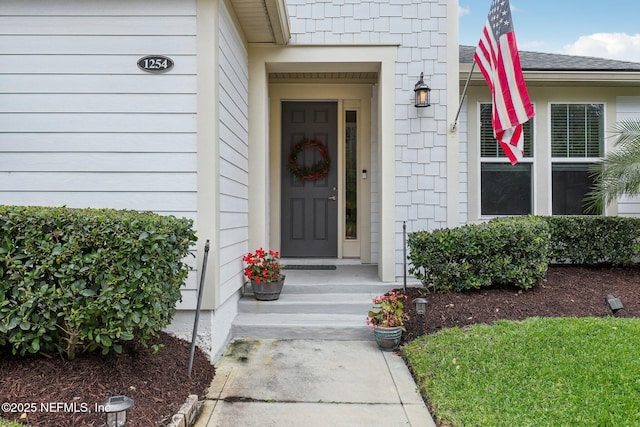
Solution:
(577, 130)
(576, 141)
(595, 130)
(506, 189)
(570, 182)
(489, 146)
(559, 130)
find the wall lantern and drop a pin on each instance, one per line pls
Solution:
(421, 309)
(116, 408)
(422, 93)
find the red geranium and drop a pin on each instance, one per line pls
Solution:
(263, 266)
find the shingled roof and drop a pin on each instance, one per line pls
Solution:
(538, 61)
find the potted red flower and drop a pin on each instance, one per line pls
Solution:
(387, 319)
(264, 270)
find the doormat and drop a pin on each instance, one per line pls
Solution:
(309, 267)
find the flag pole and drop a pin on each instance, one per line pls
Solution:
(464, 93)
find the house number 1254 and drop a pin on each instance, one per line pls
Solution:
(155, 63)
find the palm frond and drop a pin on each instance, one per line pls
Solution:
(618, 173)
(627, 131)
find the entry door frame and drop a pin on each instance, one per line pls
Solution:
(346, 95)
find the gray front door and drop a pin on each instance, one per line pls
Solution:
(309, 208)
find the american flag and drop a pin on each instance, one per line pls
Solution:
(498, 59)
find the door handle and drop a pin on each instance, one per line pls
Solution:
(332, 198)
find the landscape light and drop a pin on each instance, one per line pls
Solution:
(614, 303)
(116, 408)
(421, 309)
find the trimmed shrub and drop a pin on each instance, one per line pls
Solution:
(511, 251)
(78, 280)
(593, 240)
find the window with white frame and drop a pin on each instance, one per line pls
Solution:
(577, 142)
(505, 189)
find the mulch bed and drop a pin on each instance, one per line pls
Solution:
(70, 390)
(567, 291)
(159, 385)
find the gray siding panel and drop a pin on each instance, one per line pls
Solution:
(234, 163)
(80, 124)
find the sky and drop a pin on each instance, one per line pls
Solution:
(603, 29)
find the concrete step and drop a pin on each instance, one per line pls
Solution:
(314, 304)
(298, 287)
(344, 303)
(341, 327)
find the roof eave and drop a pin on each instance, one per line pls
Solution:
(564, 77)
(262, 21)
(279, 19)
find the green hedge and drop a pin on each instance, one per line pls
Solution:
(502, 251)
(78, 280)
(593, 240)
(513, 251)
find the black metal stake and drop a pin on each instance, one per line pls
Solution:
(195, 323)
(404, 253)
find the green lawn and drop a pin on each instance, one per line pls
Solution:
(538, 372)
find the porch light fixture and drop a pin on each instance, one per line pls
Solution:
(422, 93)
(614, 303)
(116, 408)
(421, 309)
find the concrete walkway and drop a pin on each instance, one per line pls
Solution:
(271, 382)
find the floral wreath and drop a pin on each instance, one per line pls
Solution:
(317, 170)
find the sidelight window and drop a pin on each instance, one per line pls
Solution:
(351, 175)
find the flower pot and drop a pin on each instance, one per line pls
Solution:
(388, 339)
(268, 291)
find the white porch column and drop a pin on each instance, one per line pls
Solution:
(258, 153)
(387, 165)
(208, 152)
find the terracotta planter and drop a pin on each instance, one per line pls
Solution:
(388, 339)
(269, 291)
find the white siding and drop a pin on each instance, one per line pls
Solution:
(628, 107)
(88, 8)
(234, 163)
(419, 28)
(80, 124)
